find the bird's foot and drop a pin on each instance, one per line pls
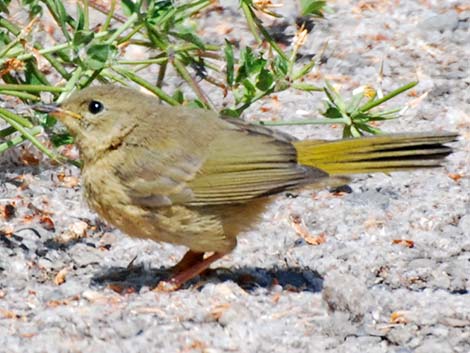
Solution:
(191, 265)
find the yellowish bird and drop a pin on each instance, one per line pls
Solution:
(188, 177)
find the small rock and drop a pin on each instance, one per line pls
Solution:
(128, 328)
(433, 345)
(445, 22)
(454, 322)
(464, 224)
(84, 255)
(346, 293)
(234, 314)
(402, 334)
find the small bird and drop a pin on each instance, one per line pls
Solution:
(188, 177)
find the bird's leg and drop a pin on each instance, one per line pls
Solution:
(189, 268)
(189, 259)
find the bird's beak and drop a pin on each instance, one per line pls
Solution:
(56, 111)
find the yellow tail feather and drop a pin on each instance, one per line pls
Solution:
(382, 153)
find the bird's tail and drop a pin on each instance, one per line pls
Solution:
(382, 153)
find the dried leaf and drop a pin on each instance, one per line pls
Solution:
(8, 314)
(76, 230)
(60, 302)
(218, 310)
(68, 181)
(195, 346)
(399, 317)
(12, 65)
(455, 176)
(8, 211)
(404, 242)
(60, 277)
(47, 223)
(301, 230)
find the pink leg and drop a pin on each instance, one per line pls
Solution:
(189, 267)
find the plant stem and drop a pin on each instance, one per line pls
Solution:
(190, 80)
(19, 120)
(109, 16)
(28, 134)
(130, 21)
(372, 104)
(19, 94)
(158, 61)
(30, 88)
(18, 139)
(140, 81)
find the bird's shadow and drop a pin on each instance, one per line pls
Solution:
(135, 277)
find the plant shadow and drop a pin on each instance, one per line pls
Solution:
(135, 277)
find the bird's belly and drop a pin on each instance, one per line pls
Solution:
(107, 197)
(171, 224)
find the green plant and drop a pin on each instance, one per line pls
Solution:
(87, 54)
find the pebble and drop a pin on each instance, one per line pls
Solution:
(464, 225)
(434, 345)
(444, 22)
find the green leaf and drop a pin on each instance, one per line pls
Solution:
(354, 131)
(128, 7)
(281, 66)
(61, 139)
(46, 120)
(265, 80)
(30, 74)
(4, 39)
(161, 11)
(7, 131)
(230, 61)
(332, 113)
(256, 66)
(304, 70)
(250, 89)
(98, 55)
(196, 103)
(307, 87)
(230, 113)
(249, 64)
(33, 5)
(158, 39)
(61, 10)
(312, 7)
(4, 6)
(369, 129)
(81, 18)
(334, 97)
(178, 96)
(238, 94)
(190, 37)
(354, 102)
(163, 16)
(347, 132)
(82, 37)
(360, 118)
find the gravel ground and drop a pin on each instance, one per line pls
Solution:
(393, 274)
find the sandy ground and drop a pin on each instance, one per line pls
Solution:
(393, 274)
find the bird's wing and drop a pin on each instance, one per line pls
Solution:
(245, 162)
(210, 162)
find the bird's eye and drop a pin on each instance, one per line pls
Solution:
(94, 107)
